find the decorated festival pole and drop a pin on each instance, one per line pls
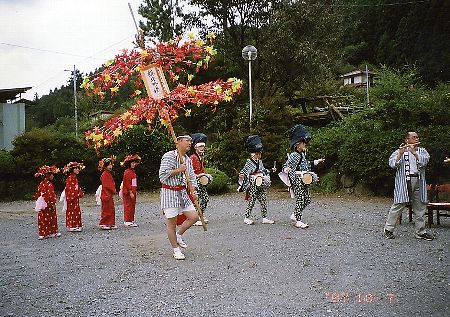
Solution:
(158, 87)
(180, 59)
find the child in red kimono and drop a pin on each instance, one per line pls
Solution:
(129, 189)
(108, 190)
(46, 203)
(73, 193)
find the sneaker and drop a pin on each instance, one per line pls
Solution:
(301, 225)
(130, 224)
(77, 229)
(268, 221)
(424, 236)
(55, 235)
(248, 221)
(178, 255)
(104, 227)
(198, 223)
(292, 217)
(181, 242)
(113, 227)
(388, 234)
(42, 237)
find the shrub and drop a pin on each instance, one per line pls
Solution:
(328, 182)
(220, 181)
(149, 145)
(6, 162)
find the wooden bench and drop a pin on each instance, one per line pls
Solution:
(435, 203)
(439, 204)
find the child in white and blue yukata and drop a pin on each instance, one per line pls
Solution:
(255, 190)
(297, 162)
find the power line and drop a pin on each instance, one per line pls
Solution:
(42, 50)
(369, 5)
(80, 61)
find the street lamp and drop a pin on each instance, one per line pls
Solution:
(249, 53)
(74, 98)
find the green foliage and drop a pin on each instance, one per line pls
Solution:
(361, 144)
(47, 147)
(6, 162)
(328, 183)
(395, 34)
(219, 185)
(149, 145)
(160, 18)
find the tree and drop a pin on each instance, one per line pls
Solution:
(162, 19)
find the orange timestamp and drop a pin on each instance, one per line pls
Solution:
(367, 298)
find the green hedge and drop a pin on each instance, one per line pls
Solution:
(219, 185)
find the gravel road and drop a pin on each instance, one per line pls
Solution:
(340, 266)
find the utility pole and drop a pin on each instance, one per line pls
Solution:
(367, 84)
(74, 77)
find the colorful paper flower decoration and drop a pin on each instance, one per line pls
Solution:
(180, 60)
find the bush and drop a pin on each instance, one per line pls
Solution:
(220, 181)
(360, 145)
(6, 162)
(328, 183)
(149, 145)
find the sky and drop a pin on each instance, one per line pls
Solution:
(40, 39)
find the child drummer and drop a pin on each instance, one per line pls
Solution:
(296, 163)
(248, 180)
(198, 144)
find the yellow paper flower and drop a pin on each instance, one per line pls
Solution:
(191, 91)
(117, 132)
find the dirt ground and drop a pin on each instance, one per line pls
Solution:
(340, 266)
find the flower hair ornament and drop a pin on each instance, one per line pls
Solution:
(71, 166)
(104, 162)
(130, 158)
(43, 170)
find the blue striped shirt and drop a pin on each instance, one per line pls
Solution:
(401, 188)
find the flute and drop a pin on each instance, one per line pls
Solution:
(403, 146)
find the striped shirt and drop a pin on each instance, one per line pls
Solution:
(401, 188)
(172, 198)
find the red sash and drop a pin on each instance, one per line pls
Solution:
(176, 188)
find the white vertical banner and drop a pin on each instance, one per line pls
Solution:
(154, 81)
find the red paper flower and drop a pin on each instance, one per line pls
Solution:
(180, 60)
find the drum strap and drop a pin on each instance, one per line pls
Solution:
(257, 166)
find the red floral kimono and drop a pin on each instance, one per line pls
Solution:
(47, 218)
(73, 195)
(129, 204)
(108, 213)
(197, 164)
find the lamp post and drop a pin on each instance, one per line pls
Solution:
(74, 98)
(249, 53)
